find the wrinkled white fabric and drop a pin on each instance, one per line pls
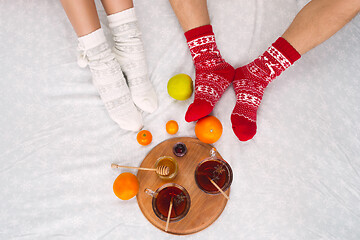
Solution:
(298, 179)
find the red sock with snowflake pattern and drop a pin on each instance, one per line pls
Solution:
(250, 82)
(213, 74)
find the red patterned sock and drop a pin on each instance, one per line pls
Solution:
(250, 82)
(213, 74)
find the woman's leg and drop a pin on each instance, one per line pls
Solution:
(314, 24)
(213, 74)
(129, 51)
(106, 72)
(82, 15)
(115, 6)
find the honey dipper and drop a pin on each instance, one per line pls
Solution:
(161, 170)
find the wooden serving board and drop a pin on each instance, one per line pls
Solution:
(204, 209)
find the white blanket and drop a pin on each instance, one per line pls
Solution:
(299, 178)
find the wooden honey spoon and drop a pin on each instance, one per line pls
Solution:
(161, 170)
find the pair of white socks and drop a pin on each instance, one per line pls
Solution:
(119, 92)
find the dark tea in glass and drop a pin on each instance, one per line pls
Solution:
(215, 169)
(163, 196)
(163, 201)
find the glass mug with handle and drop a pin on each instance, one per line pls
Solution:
(216, 169)
(162, 197)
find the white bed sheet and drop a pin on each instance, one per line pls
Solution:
(299, 178)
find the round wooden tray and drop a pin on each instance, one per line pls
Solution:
(204, 209)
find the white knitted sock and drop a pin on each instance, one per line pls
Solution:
(109, 80)
(129, 51)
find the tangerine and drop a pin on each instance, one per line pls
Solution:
(144, 137)
(208, 129)
(172, 127)
(126, 186)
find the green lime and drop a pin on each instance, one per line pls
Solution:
(180, 86)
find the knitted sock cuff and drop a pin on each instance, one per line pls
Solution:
(286, 49)
(198, 32)
(122, 17)
(93, 39)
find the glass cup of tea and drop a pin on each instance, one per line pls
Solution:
(162, 197)
(215, 169)
(171, 163)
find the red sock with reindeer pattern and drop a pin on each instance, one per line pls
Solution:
(213, 74)
(250, 82)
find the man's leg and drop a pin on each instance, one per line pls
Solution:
(318, 21)
(314, 24)
(191, 13)
(129, 51)
(213, 74)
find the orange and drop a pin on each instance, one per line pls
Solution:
(172, 127)
(144, 137)
(126, 186)
(208, 129)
